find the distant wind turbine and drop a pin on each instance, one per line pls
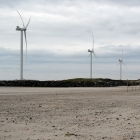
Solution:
(21, 44)
(121, 62)
(91, 52)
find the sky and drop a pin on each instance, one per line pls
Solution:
(60, 34)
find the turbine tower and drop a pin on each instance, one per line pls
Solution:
(121, 62)
(91, 52)
(21, 44)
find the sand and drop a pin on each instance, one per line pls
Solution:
(69, 113)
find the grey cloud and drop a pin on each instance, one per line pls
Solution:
(63, 30)
(41, 63)
(125, 2)
(37, 4)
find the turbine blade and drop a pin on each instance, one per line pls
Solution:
(95, 56)
(93, 42)
(122, 53)
(26, 43)
(118, 64)
(124, 64)
(21, 19)
(88, 56)
(28, 22)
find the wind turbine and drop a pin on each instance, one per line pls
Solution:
(91, 52)
(21, 44)
(121, 62)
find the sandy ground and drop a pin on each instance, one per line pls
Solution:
(69, 113)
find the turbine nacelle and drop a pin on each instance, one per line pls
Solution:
(90, 51)
(20, 29)
(120, 60)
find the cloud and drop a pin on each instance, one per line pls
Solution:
(47, 65)
(61, 31)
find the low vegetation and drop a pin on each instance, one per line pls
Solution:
(77, 82)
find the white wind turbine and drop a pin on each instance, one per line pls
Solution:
(21, 44)
(91, 52)
(121, 62)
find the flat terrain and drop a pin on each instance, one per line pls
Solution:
(69, 113)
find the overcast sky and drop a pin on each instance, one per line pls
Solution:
(60, 33)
